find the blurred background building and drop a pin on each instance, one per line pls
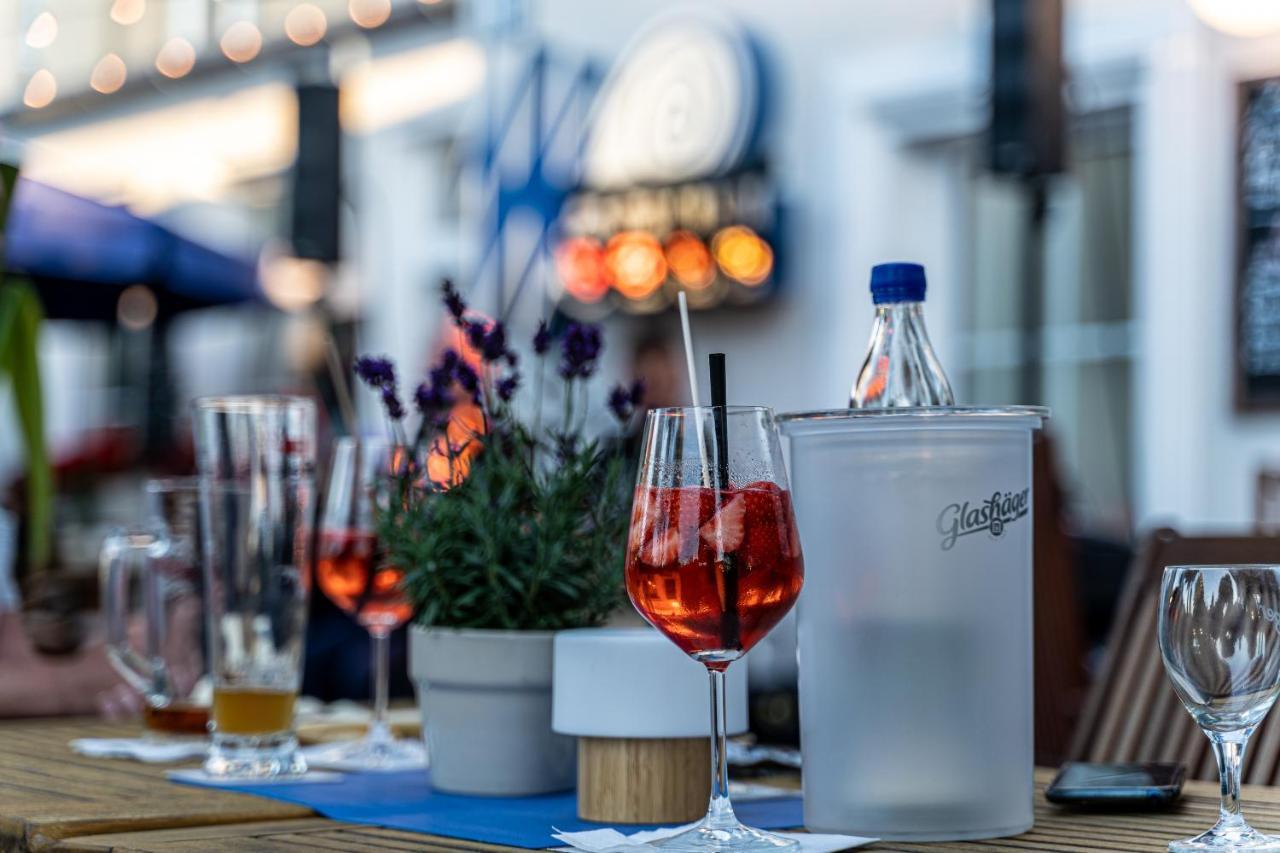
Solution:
(305, 169)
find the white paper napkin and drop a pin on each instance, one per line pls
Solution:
(612, 841)
(198, 777)
(141, 749)
(327, 755)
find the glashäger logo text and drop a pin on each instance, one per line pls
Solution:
(991, 515)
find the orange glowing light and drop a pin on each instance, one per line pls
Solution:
(41, 89)
(635, 262)
(689, 260)
(452, 451)
(742, 254)
(369, 13)
(305, 24)
(176, 58)
(108, 75)
(580, 263)
(241, 42)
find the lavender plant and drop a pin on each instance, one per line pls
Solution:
(499, 523)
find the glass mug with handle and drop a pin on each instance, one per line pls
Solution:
(1219, 630)
(152, 605)
(256, 461)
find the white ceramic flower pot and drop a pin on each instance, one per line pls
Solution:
(485, 698)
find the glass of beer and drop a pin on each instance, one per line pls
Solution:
(256, 461)
(152, 605)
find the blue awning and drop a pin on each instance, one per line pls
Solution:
(71, 246)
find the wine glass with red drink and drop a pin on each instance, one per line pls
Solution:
(354, 572)
(714, 563)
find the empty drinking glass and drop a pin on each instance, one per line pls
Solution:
(1220, 639)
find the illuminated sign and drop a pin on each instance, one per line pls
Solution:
(673, 193)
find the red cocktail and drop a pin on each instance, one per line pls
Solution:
(351, 570)
(714, 563)
(714, 571)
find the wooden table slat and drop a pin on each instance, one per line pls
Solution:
(53, 799)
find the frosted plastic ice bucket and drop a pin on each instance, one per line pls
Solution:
(915, 621)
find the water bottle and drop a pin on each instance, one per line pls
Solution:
(901, 368)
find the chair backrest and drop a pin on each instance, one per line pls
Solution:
(1132, 713)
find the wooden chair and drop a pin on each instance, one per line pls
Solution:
(1132, 713)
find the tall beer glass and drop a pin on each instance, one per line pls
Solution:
(255, 457)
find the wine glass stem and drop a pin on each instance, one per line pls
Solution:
(1229, 750)
(720, 811)
(379, 731)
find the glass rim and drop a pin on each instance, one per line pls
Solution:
(684, 411)
(926, 412)
(1222, 567)
(252, 403)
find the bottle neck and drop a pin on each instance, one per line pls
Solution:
(899, 313)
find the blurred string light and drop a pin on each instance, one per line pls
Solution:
(41, 89)
(580, 263)
(635, 262)
(305, 24)
(742, 255)
(109, 74)
(136, 308)
(291, 283)
(128, 12)
(369, 13)
(1247, 18)
(241, 42)
(689, 260)
(43, 30)
(176, 58)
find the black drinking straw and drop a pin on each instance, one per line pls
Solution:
(728, 580)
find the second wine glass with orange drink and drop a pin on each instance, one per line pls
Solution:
(352, 570)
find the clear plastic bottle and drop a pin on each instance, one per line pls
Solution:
(901, 368)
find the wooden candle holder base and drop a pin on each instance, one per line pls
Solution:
(643, 780)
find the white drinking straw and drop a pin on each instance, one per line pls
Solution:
(693, 384)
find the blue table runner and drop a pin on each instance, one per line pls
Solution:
(406, 801)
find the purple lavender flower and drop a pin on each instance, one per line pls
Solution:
(376, 371)
(511, 357)
(467, 377)
(391, 401)
(453, 301)
(493, 346)
(579, 350)
(620, 403)
(637, 392)
(432, 396)
(475, 333)
(542, 338)
(507, 387)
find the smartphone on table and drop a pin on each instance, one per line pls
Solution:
(1141, 784)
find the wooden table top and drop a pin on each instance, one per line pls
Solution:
(51, 798)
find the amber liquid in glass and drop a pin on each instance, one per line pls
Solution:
(252, 710)
(351, 570)
(176, 718)
(714, 571)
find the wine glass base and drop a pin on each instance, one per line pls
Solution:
(1237, 838)
(383, 756)
(705, 838)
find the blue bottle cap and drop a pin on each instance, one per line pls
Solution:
(897, 282)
